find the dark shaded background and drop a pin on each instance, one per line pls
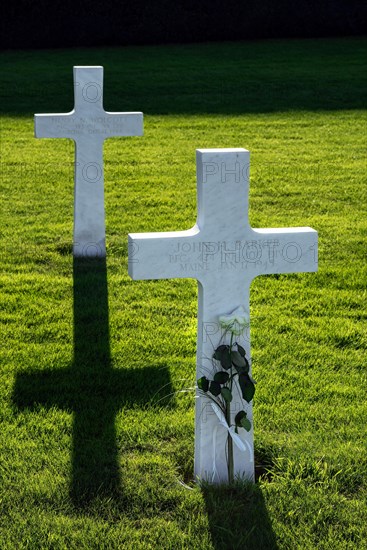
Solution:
(68, 23)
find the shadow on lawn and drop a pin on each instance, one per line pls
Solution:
(91, 388)
(238, 518)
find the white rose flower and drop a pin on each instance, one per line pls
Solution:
(236, 321)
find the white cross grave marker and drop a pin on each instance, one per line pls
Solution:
(224, 253)
(88, 124)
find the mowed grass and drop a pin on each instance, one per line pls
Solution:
(97, 438)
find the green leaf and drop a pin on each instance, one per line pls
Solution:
(247, 387)
(225, 360)
(245, 369)
(239, 416)
(242, 421)
(245, 423)
(203, 383)
(237, 359)
(214, 388)
(222, 354)
(226, 394)
(241, 350)
(221, 377)
(219, 351)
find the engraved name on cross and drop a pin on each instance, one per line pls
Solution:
(88, 124)
(224, 253)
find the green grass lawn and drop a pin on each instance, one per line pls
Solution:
(97, 438)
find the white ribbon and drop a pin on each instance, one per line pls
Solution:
(231, 429)
(241, 445)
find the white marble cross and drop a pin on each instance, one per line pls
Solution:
(224, 253)
(88, 124)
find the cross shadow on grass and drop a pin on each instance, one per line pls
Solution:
(238, 518)
(237, 514)
(91, 388)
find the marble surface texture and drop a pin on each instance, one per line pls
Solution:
(88, 124)
(224, 253)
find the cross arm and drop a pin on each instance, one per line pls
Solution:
(124, 124)
(53, 125)
(282, 250)
(102, 125)
(154, 255)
